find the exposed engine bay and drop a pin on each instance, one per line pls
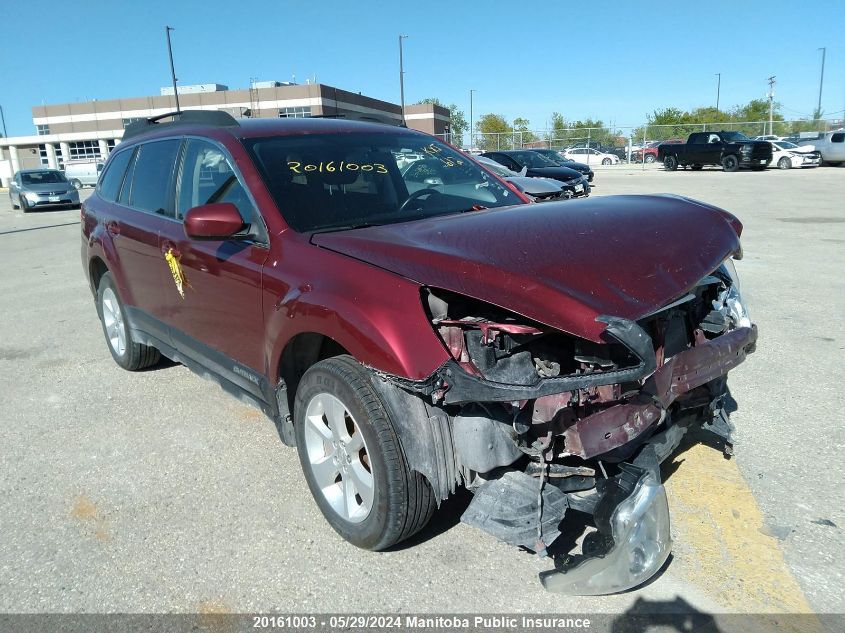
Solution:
(542, 422)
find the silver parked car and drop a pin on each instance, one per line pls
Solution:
(38, 188)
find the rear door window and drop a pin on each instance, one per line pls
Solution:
(838, 137)
(113, 178)
(152, 176)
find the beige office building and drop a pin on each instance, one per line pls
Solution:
(89, 130)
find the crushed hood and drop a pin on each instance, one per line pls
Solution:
(561, 264)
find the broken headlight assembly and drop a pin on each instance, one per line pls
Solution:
(732, 299)
(494, 345)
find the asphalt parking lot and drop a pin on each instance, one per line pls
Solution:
(156, 491)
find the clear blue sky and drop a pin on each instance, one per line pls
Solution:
(610, 60)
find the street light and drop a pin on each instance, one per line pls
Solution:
(718, 89)
(167, 30)
(402, 77)
(472, 90)
(821, 83)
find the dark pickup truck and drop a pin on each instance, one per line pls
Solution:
(731, 150)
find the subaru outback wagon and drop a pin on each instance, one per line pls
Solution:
(411, 331)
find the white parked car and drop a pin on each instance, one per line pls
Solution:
(768, 137)
(590, 156)
(786, 155)
(831, 146)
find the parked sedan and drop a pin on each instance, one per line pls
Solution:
(787, 155)
(538, 189)
(590, 155)
(530, 163)
(31, 188)
(558, 157)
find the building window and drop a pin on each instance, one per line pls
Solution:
(81, 150)
(128, 122)
(42, 129)
(300, 112)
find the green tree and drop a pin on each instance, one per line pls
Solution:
(494, 132)
(522, 133)
(458, 125)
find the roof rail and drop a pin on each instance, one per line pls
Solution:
(184, 117)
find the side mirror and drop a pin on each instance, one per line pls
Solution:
(215, 221)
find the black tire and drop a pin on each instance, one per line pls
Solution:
(24, 204)
(135, 356)
(730, 163)
(12, 202)
(670, 163)
(77, 184)
(650, 158)
(784, 163)
(402, 502)
(696, 167)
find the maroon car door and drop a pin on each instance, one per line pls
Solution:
(213, 299)
(134, 222)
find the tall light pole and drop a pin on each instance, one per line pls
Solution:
(821, 83)
(472, 90)
(3, 119)
(771, 101)
(167, 30)
(718, 89)
(402, 77)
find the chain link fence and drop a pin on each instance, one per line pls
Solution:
(635, 144)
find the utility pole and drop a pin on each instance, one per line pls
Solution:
(718, 89)
(771, 102)
(402, 77)
(167, 30)
(821, 83)
(3, 118)
(472, 90)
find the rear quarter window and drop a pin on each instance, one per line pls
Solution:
(838, 138)
(113, 177)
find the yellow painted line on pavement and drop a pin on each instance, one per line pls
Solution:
(718, 531)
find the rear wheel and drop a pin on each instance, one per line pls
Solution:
(606, 161)
(730, 163)
(670, 163)
(76, 183)
(124, 349)
(352, 460)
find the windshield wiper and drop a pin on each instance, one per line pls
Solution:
(345, 227)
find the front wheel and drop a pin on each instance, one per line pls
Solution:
(784, 163)
(650, 158)
(126, 352)
(730, 163)
(24, 204)
(12, 202)
(670, 163)
(77, 184)
(352, 460)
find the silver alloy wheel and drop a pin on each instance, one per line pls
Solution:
(113, 322)
(338, 457)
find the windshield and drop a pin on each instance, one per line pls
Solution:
(734, 136)
(42, 177)
(338, 181)
(785, 145)
(550, 154)
(496, 168)
(532, 159)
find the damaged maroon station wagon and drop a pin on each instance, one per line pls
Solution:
(412, 331)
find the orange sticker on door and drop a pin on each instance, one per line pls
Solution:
(176, 271)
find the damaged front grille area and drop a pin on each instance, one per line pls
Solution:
(544, 422)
